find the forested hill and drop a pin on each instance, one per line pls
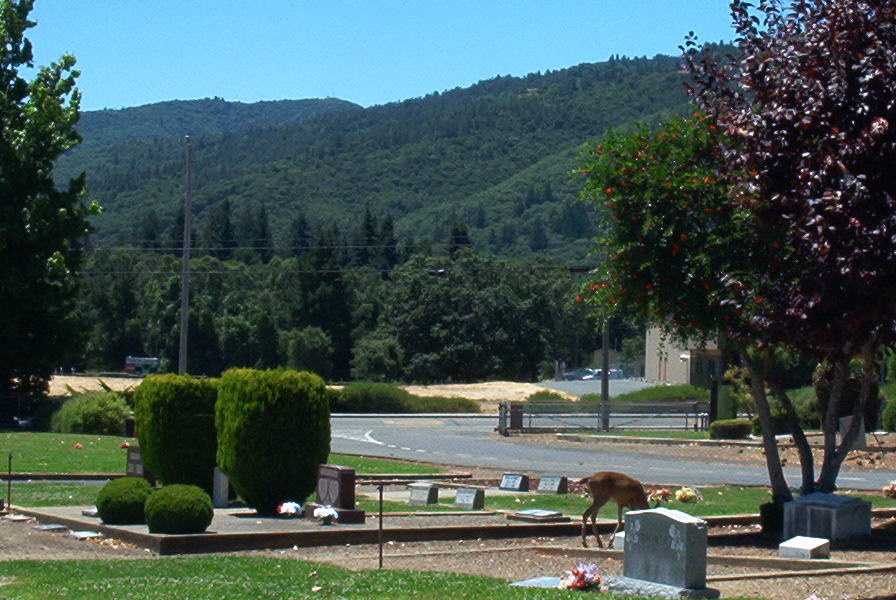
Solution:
(495, 156)
(177, 118)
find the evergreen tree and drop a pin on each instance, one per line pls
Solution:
(300, 235)
(218, 236)
(458, 238)
(41, 227)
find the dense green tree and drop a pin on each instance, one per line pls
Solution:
(41, 226)
(218, 236)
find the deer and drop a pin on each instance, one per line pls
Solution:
(625, 491)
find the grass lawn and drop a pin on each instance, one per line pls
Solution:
(56, 453)
(208, 577)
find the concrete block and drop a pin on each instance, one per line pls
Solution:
(805, 547)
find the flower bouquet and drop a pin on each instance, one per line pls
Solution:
(659, 496)
(326, 514)
(687, 494)
(890, 490)
(583, 577)
(290, 510)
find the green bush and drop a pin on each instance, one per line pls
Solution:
(99, 413)
(179, 508)
(664, 393)
(273, 433)
(120, 502)
(371, 398)
(730, 429)
(175, 417)
(386, 398)
(779, 421)
(888, 420)
(849, 396)
(546, 396)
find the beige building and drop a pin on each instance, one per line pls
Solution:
(672, 361)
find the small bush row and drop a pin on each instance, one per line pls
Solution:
(730, 429)
(387, 398)
(174, 509)
(99, 413)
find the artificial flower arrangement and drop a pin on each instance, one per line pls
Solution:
(687, 494)
(326, 514)
(890, 490)
(290, 510)
(660, 496)
(583, 577)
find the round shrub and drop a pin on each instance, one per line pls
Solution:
(730, 429)
(179, 508)
(273, 434)
(98, 413)
(175, 417)
(120, 502)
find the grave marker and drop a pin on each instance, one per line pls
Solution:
(538, 515)
(665, 556)
(828, 516)
(514, 482)
(135, 466)
(423, 494)
(336, 489)
(470, 499)
(805, 547)
(553, 485)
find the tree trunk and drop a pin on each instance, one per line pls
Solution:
(807, 460)
(780, 490)
(835, 455)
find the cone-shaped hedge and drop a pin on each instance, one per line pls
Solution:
(175, 417)
(273, 433)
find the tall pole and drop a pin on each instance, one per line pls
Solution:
(185, 276)
(605, 379)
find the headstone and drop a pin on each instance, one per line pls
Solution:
(514, 482)
(470, 499)
(861, 443)
(805, 547)
(619, 541)
(90, 512)
(336, 489)
(553, 485)
(135, 466)
(665, 556)
(336, 486)
(220, 489)
(828, 516)
(423, 494)
(85, 535)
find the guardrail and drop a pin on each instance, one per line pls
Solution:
(555, 417)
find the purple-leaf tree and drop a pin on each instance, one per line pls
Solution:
(808, 110)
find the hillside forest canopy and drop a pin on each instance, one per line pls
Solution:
(435, 239)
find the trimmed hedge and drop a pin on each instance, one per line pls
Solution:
(273, 434)
(730, 429)
(175, 417)
(120, 502)
(99, 413)
(368, 397)
(179, 508)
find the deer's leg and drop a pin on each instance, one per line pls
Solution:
(618, 523)
(594, 528)
(588, 512)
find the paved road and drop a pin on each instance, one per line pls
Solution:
(468, 442)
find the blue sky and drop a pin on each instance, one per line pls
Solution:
(133, 52)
